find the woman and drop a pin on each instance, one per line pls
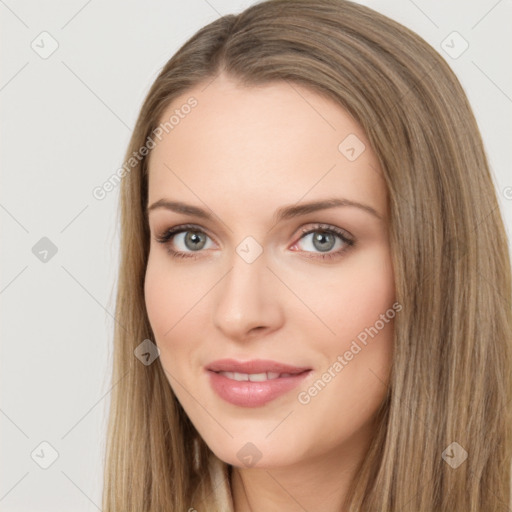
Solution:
(314, 291)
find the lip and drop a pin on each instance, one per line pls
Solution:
(253, 394)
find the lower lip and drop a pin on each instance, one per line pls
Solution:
(253, 394)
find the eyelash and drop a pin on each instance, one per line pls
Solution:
(166, 237)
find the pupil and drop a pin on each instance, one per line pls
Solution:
(320, 239)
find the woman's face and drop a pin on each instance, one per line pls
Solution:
(259, 275)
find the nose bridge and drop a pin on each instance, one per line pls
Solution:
(247, 297)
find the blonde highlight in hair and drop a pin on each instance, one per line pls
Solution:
(451, 378)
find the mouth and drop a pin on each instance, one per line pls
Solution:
(255, 367)
(257, 377)
(253, 383)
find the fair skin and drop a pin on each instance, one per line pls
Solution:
(241, 154)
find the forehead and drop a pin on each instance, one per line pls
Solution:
(274, 143)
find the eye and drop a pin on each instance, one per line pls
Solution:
(325, 238)
(188, 238)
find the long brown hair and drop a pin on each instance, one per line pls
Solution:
(451, 379)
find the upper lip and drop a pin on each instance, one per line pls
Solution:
(254, 366)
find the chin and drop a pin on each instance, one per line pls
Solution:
(250, 454)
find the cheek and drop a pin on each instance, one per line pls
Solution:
(357, 305)
(167, 300)
(176, 308)
(160, 301)
(346, 392)
(366, 330)
(352, 297)
(169, 293)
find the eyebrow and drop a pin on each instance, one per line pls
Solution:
(283, 213)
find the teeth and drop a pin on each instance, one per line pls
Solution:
(253, 377)
(257, 377)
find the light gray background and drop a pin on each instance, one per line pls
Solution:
(66, 122)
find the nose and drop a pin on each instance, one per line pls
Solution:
(247, 300)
